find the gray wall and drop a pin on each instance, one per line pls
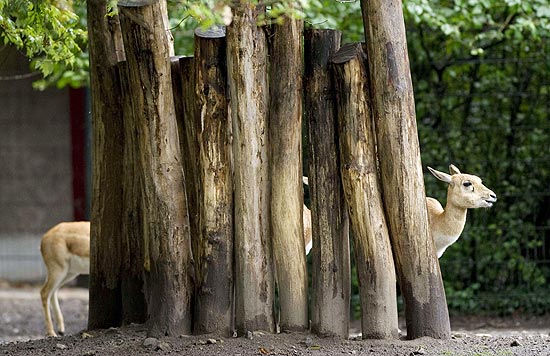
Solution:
(35, 166)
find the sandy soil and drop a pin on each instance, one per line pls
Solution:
(21, 319)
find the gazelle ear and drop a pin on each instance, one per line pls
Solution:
(453, 169)
(444, 177)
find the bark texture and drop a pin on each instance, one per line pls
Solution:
(401, 171)
(108, 137)
(362, 189)
(134, 308)
(247, 77)
(183, 85)
(285, 136)
(166, 242)
(214, 299)
(330, 226)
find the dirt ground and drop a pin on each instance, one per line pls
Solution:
(22, 328)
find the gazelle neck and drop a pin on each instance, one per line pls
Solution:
(454, 218)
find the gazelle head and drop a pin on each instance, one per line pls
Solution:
(465, 190)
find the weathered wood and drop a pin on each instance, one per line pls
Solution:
(134, 308)
(359, 167)
(214, 282)
(106, 234)
(331, 264)
(166, 241)
(401, 171)
(167, 31)
(285, 137)
(185, 102)
(247, 77)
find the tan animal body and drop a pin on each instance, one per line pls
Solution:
(465, 192)
(66, 252)
(65, 249)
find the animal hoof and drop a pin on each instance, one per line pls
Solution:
(61, 333)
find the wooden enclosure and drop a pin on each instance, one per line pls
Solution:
(201, 159)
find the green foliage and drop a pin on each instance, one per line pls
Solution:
(481, 91)
(52, 36)
(480, 73)
(333, 14)
(186, 16)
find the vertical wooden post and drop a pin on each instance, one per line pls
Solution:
(330, 226)
(214, 298)
(285, 136)
(363, 193)
(399, 156)
(134, 308)
(106, 234)
(185, 102)
(247, 77)
(167, 251)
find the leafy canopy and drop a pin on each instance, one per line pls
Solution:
(51, 34)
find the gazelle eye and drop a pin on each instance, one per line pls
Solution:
(467, 184)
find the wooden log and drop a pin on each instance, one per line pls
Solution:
(247, 77)
(167, 251)
(166, 22)
(359, 167)
(401, 171)
(330, 226)
(214, 299)
(287, 196)
(134, 308)
(185, 102)
(108, 137)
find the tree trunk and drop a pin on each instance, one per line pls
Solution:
(167, 251)
(166, 21)
(247, 77)
(214, 299)
(183, 85)
(287, 196)
(330, 226)
(108, 137)
(401, 171)
(359, 167)
(134, 309)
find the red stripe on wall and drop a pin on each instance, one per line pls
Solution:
(77, 107)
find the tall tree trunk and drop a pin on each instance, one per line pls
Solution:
(134, 309)
(330, 226)
(363, 193)
(183, 85)
(108, 137)
(214, 299)
(166, 21)
(287, 196)
(247, 77)
(401, 171)
(167, 252)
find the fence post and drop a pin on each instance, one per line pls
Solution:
(167, 251)
(134, 307)
(106, 233)
(247, 77)
(359, 167)
(214, 259)
(401, 170)
(330, 226)
(285, 136)
(183, 87)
